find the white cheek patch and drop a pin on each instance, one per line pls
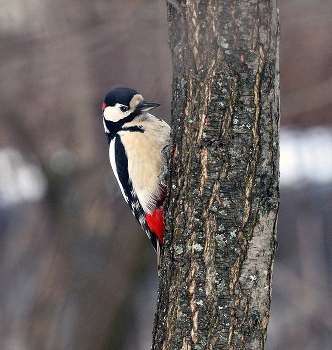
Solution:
(114, 114)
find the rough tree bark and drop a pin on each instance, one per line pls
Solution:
(215, 284)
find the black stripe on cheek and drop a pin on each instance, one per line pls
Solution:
(114, 127)
(135, 128)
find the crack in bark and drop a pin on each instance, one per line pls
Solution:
(251, 170)
(203, 114)
(204, 172)
(193, 305)
(251, 176)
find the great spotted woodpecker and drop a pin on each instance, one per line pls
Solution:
(137, 150)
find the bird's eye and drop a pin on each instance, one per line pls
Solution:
(123, 108)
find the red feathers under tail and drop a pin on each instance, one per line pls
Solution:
(155, 221)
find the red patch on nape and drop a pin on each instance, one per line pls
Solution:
(155, 221)
(103, 106)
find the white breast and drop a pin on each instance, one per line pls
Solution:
(145, 158)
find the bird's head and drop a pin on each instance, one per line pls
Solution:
(125, 104)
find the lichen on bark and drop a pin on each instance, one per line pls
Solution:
(223, 197)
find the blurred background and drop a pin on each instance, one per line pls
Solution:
(76, 271)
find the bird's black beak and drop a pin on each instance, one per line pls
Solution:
(147, 106)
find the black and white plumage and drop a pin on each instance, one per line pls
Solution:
(137, 140)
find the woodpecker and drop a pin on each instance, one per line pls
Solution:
(137, 149)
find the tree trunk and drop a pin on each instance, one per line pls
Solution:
(215, 284)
